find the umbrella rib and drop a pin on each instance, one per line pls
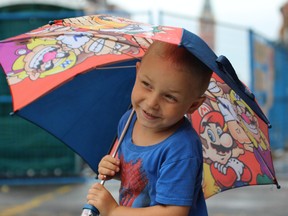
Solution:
(147, 41)
(140, 44)
(269, 170)
(116, 67)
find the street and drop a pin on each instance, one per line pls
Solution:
(68, 199)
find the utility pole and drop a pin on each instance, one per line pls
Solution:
(207, 24)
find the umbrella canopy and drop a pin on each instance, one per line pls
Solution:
(74, 78)
(235, 141)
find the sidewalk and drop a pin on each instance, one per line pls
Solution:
(280, 161)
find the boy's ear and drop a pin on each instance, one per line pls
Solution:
(196, 103)
(138, 64)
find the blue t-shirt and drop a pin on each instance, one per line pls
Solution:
(167, 173)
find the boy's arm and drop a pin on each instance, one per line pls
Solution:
(99, 197)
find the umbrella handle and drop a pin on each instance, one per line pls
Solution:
(90, 210)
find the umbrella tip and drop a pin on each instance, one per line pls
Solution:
(278, 186)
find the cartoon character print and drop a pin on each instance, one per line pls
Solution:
(86, 46)
(46, 56)
(243, 155)
(74, 41)
(39, 59)
(249, 122)
(104, 23)
(59, 48)
(49, 30)
(220, 151)
(218, 92)
(222, 102)
(133, 184)
(98, 22)
(109, 23)
(110, 44)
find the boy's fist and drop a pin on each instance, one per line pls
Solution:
(108, 167)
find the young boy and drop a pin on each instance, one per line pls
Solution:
(160, 159)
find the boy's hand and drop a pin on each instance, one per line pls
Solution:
(108, 167)
(99, 197)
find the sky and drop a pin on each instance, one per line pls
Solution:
(261, 16)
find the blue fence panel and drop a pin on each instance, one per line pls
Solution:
(278, 113)
(269, 64)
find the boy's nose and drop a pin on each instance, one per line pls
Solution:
(153, 101)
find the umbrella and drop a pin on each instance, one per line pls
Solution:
(73, 77)
(235, 141)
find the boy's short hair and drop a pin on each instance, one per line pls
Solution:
(182, 59)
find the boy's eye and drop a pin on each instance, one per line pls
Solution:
(171, 98)
(146, 84)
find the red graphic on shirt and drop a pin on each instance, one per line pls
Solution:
(133, 181)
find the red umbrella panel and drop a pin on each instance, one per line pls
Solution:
(45, 58)
(235, 141)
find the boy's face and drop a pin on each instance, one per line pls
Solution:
(162, 95)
